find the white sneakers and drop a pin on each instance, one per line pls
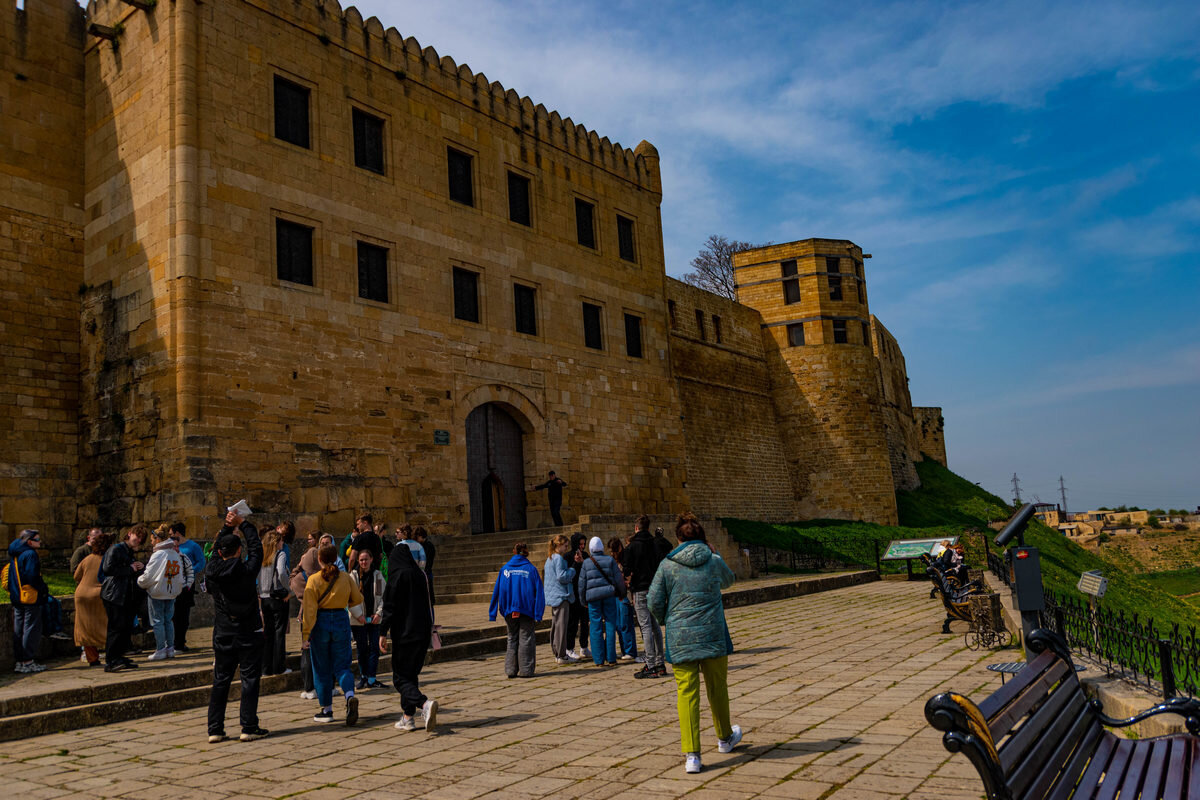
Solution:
(158, 655)
(28, 667)
(310, 695)
(429, 711)
(692, 763)
(626, 658)
(727, 745)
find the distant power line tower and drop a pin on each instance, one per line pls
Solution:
(1016, 482)
(1062, 489)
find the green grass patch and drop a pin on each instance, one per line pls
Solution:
(1177, 581)
(60, 582)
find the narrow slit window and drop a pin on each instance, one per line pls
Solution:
(671, 313)
(625, 238)
(458, 167)
(866, 332)
(593, 334)
(858, 286)
(372, 272)
(839, 331)
(700, 325)
(519, 210)
(585, 223)
(525, 309)
(716, 328)
(833, 265)
(466, 295)
(633, 336)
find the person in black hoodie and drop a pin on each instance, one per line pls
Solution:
(407, 620)
(120, 595)
(238, 637)
(642, 557)
(577, 619)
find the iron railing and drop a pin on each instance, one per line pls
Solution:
(1130, 647)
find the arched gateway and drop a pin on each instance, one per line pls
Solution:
(495, 469)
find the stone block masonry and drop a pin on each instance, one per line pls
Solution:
(304, 260)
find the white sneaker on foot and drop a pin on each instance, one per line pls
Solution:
(640, 660)
(406, 724)
(626, 658)
(561, 661)
(585, 653)
(727, 745)
(691, 764)
(170, 652)
(429, 712)
(308, 695)
(35, 667)
(158, 655)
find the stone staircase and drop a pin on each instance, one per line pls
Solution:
(466, 567)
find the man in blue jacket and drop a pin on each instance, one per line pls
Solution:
(26, 569)
(518, 597)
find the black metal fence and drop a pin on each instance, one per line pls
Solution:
(1130, 647)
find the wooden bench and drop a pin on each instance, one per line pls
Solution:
(1041, 738)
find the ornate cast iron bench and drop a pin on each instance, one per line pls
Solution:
(1040, 738)
(956, 599)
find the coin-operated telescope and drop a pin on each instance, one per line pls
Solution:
(1024, 570)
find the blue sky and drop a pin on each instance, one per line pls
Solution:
(1025, 175)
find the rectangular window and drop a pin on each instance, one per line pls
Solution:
(700, 324)
(458, 166)
(518, 199)
(633, 336)
(466, 295)
(525, 308)
(293, 252)
(593, 335)
(368, 141)
(372, 272)
(858, 286)
(585, 223)
(791, 288)
(291, 112)
(866, 329)
(716, 328)
(671, 313)
(625, 238)
(835, 288)
(833, 265)
(839, 331)
(795, 334)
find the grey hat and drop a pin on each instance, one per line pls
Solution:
(27, 534)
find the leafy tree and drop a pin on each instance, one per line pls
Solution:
(1158, 512)
(713, 265)
(1153, 522)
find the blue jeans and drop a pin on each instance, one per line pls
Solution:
(27, 631)
(625, 628)
(603, 640)
(162, 619)
(329, 650)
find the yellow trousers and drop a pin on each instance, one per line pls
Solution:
(716, 686)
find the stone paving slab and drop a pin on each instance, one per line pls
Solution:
(829, 689)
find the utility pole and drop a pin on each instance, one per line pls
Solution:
(1062, 489)
(1016, 482)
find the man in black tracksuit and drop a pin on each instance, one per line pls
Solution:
(407, 619)
(119, 594)
(553, 486)
(237, 626)
(641, 559)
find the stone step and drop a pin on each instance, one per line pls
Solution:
(51, 712)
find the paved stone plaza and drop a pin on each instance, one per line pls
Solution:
(829, 689)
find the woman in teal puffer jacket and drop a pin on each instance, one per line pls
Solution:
(685, 597)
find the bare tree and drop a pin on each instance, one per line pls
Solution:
(713, 265)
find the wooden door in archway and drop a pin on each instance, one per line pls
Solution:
(495, 470)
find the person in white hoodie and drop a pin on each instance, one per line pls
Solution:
(165, 577)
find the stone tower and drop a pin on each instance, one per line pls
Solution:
(817, 335)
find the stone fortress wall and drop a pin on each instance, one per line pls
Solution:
(185, 370)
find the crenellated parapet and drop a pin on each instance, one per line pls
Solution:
(404, 57)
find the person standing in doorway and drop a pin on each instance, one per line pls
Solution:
(237, 626)
(553, 486)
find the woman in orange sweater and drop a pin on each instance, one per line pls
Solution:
(328, 594)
